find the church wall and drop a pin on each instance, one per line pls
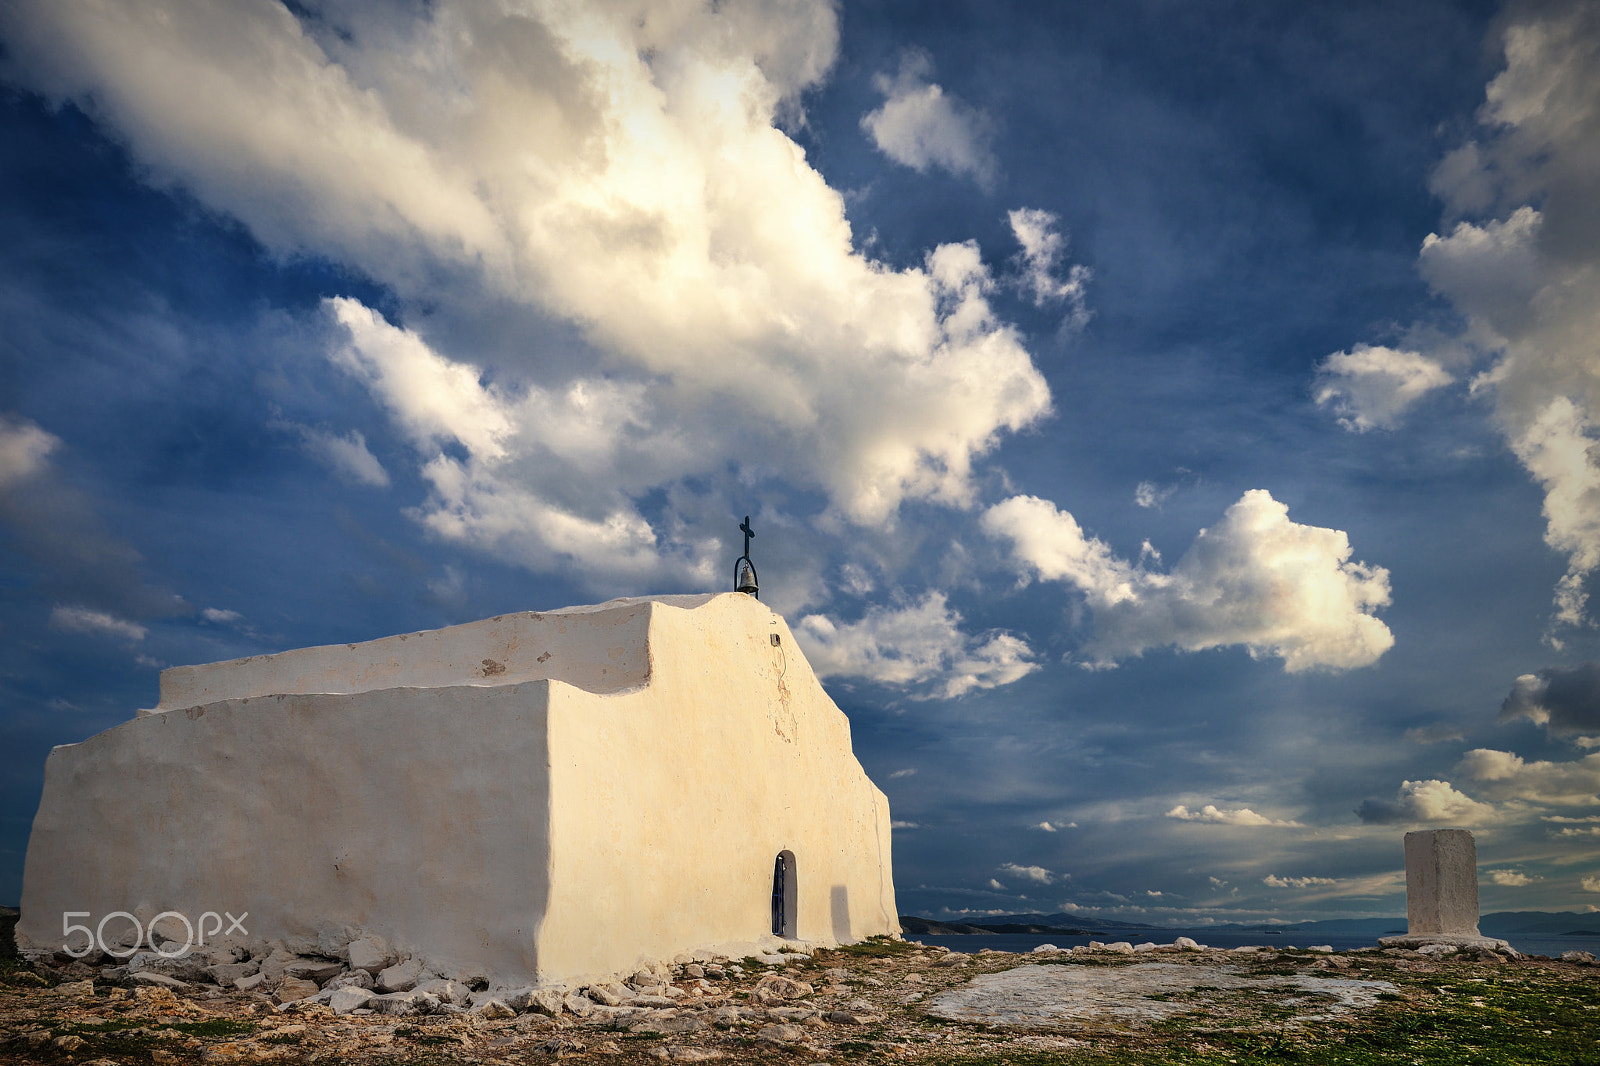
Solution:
(416, 814)
(671, 803)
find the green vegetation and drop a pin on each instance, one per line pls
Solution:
(875, 947)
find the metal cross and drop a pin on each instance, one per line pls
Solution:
(748, 533)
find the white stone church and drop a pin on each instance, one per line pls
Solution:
(542, 797)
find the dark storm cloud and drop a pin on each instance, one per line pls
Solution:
(1566, 701)
(56, 526)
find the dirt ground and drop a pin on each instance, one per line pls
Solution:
(878, 1002)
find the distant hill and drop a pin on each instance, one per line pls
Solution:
(1504, 924)
(925, 926)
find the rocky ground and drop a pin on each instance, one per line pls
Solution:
(875, 1002)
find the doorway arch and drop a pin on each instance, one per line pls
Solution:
(785, 893)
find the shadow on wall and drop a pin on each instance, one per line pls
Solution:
(841, 913)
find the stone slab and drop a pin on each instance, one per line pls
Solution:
(1118, 998)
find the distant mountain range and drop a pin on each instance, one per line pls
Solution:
(1503, 924)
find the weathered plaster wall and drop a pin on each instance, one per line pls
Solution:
(600, 649)
(692, 786)
(525, 829)
(417, 814)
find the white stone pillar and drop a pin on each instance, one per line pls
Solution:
(1442, 895)
(1441, 883)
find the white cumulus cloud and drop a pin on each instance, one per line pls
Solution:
(1256, 578)
(1216, 816)
(1030, 873)
(1371, 387)
(612, 187)
(1506, 775)
(922, 126)
(1521, 261)
(1591, 884)
(1511, 878)
(921, 644)
(1428, 801)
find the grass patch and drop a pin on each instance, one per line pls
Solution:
(876, 947)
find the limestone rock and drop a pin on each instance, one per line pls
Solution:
(187, 968)
(684, 1054)
(602, 994)
(852, 1017)
(779, 1035)
(1046, 949)
(1120, 947)
(351, 979)
(160, 980)
(656, 1002)
(250, 982)
(317, 970)
(272, 967)
(1583, 958)
(774, 989)
(448, 991)
(349, 998)
(293, 988)
(954, 958)
(661, 1022)
(86, 987)
(1184, 943)
(493, 1009)
(401, 977)
(370, 953)
(545, 1000)
(579, 1005)
(403, 1004)
(227, 974)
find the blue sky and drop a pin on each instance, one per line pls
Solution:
(1173, 430)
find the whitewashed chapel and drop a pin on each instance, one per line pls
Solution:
(542, 797)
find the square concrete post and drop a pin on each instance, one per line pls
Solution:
(1441, 883)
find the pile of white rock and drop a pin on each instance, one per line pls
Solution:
(367, 975)
(1183, 943)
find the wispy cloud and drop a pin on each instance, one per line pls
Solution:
(87, 620)
(1043, 248)
(1273, 881)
